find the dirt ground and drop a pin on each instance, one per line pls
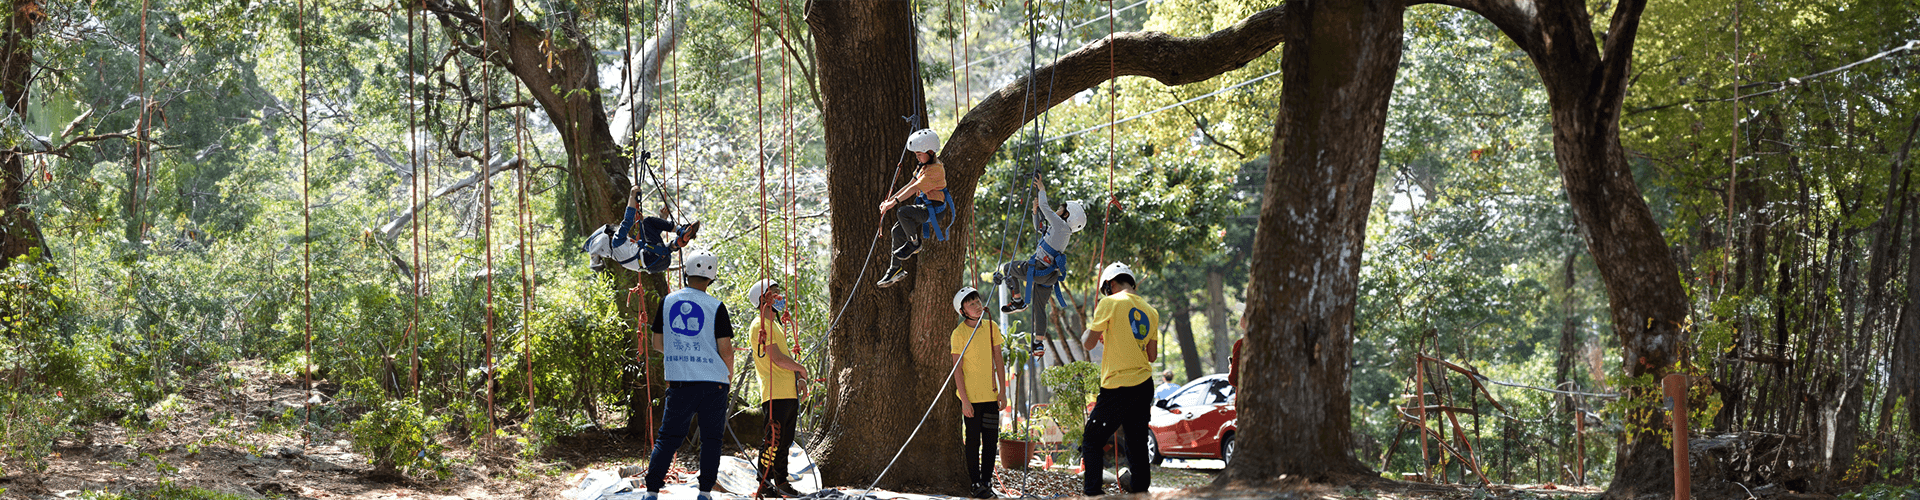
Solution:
(227, 444)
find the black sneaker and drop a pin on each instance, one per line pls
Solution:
(1014, 307)
(906, 251)
(786, 488)
(893, 275)
(982, 491)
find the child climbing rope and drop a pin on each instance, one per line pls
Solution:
(923, 196)
(782, 381)
(645, 253)
(698, 359)
(1131, 329)
(1048, 263)
(977, 381)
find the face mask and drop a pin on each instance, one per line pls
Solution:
(780, 305)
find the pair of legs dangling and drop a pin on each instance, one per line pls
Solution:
(906, 237)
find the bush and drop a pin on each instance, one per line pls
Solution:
(398, 436)
(1073, 386)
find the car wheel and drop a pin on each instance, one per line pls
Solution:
(1153, 450)
(1226, 449)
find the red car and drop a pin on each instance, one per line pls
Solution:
(1197, 421)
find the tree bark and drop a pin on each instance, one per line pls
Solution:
(1339, 63)
(19, 234)
(1586, 80)
(1183, 333)
(888, 347)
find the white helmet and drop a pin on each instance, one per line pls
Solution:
(703, 264)
(760, 290)
(600, 243)
(1115, 270)
(923, 141)
(960, 298)
(1076, 215)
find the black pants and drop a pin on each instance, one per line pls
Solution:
(1124, 408)
(781, 414)
(982, 441)
(906, 230)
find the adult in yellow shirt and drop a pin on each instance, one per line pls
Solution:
(782, 380)
(979, 374)
(1131, 329)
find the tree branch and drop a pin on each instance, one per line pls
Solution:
(1168, 59)
(502, 164)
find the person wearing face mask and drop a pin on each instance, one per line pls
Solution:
(782, 382)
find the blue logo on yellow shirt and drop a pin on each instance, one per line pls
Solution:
(686, 318)
(1138, 320)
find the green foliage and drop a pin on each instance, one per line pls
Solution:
(398, 434)
(165, 491)
(1074, 385)
(1883, 492)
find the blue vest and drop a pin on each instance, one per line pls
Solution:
(690, 353)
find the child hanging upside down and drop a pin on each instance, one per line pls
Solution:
(644, 252)
(924, 195)
(1049, 253)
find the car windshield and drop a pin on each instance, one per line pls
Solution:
(1196, 394)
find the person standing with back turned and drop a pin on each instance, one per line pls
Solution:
(695, 339)
(1131, 329)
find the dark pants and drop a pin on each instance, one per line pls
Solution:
(650, 229)
(982, 441)
(708, 400)
(906, 230)
(781, 414)
(1124, 408)
(1029, 271)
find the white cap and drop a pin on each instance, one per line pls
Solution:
(760, 290)
(960, 298)
(923, 141)
(703, 264)
(1112, 271)
(1076, 215)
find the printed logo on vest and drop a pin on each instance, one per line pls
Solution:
(687, 318)
(1138, 320)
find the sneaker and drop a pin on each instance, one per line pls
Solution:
(907, 251)
(786, 488)
(893, 275)
(650, 495)
(1013, 307)
(705, 495)
(982, 491)
(770, 491)
(687, 233)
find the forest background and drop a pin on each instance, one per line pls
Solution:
(210, 182)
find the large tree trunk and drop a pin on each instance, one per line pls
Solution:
(1586, 80)
(888, 348)
(1339, 62)
(19, 234)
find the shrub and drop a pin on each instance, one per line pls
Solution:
(398, 436)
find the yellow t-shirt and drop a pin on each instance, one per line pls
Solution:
(775, 382)
(977, 362)
(1126, 324)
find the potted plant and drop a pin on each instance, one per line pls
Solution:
(1016, 446)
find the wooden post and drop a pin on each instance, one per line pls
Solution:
(1675, 385)
(1420, 393)
(1579, 444)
